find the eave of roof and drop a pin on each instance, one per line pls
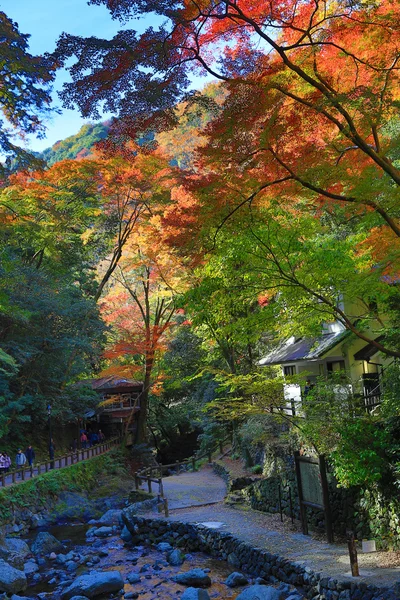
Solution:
(304, 349)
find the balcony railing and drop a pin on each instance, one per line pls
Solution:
(125, 404)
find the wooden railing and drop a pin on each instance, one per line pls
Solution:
(59, 462)
(155, 473)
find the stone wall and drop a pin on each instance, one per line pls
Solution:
(254, 561)
(263, 495)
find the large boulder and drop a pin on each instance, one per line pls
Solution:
(14, 551)
(260, 592)
(194, 578)
(16, 545)
(195, 594)
(111, 517)
(236, 579)
(12, 580)
(95, 583)
(103, 531)
(45, 543)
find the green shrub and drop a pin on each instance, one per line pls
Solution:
(257, 469)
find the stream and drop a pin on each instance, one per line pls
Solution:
(111, 553)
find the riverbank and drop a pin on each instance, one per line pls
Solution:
(77, 492)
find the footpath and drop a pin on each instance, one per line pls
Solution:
(198, 498)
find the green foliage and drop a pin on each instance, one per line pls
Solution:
(381, 513)
(362, 453)
(257, 469)
(78, 145)
(24, 92)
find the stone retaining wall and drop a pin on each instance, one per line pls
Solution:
(263, 495)
(255, 561)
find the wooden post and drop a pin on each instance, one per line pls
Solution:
(193, 463)
(325, 495)
(177, 467)
(31, 471)
(46, 466)
(291, 505)
(13, 476)
(221, 447)
(136, 481)
(161, 487)
(149, 484)
(303, 512)
(3, 479)
(209, 457)
(23, 474)
(280, 501)
(166, 511)
(351, 543)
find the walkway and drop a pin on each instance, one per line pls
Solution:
(59, 462)
(189, 493)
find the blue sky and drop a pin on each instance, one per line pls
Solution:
(45, 20)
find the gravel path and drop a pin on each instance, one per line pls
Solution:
(189, 493)
(194, 489)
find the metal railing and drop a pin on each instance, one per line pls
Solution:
(59, 462)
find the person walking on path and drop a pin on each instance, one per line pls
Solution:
(30, 455)
(20, 460)
(2, 463)
(84, 440)
(7, 462)
(52, 449)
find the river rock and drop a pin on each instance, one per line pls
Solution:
(194, 578)
(31, 567)
(103, 531)
(164, 547)
(126, 534)
(176, 558)
(45, 543)
(236, 579)
(94, 584)
(79, 598)
(16, 545)
(15, 597)
(195, 594)
(111, 517)
(260, 592)
(12, 580)
(133, 578)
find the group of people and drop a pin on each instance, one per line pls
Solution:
(91, 438)
(21, 459)
(27, 458)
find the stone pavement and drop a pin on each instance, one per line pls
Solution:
(197, 498)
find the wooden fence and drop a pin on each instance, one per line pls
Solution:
(59, 462)
(155, 473)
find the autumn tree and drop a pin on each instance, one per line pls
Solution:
(141, 307)
(327, 79)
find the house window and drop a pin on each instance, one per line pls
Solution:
(289, 370)
(335, 366)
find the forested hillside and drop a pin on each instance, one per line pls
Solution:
(78, 145)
